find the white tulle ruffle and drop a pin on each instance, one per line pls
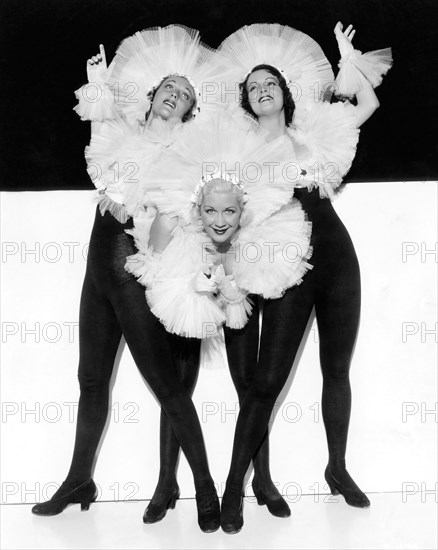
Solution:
(224, 147)
(95, 102)
(303, 63)
(144, 59)
(271, 257)
(120, 157)
(330, 135)
(169, 276)
(356, 67)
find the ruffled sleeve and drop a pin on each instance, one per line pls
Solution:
(356, 67)
(271, 257)
(330, 135)
(96, 102)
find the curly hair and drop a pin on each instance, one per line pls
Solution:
(151, 95)
(288, 102)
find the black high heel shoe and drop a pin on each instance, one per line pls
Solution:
(209, 513)
(353, 495)
(85, 494)
(232, 510)
(278, 506)
(156, 512)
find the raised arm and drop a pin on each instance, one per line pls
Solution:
(95, 99)
(161, 232)
(97, 72)
(367, 101)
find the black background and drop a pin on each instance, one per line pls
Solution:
(44, 45)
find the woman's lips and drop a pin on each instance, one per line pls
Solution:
(170, 103)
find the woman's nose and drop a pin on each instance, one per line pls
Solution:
(220, 221)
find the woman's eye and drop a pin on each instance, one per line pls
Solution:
(208, 211)
(252, 87)
(168, 86)
(229, 211)
(185, 96)
(271, 83)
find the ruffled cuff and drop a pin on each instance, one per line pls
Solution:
(96, 102)
(356, 67)
(237, 312)
(184, 311)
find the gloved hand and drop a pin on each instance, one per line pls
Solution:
(204, 281)
(344, 39)
(97, 67)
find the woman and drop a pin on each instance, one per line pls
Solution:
(198, 279)
(159, 62)
(323, 139)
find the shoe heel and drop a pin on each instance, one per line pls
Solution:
(259, 497)
(85, 505)
(333, 489)
(172, 501)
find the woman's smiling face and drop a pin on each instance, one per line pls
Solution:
(220, 215)
(264, 93)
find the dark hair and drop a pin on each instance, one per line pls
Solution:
(151, 94)
(288, 102)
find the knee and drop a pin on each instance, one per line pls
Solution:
(92, 383)
(242, 383)
(336, 373)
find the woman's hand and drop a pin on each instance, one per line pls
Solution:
(344, 38)
(229, 290)
(204, 281)
(97, 67)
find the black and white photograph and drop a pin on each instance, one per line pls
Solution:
(218, 285)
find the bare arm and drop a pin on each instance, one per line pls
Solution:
(161, 232)
(367, 103)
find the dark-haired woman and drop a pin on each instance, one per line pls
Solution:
(112, 301)
(322, 144)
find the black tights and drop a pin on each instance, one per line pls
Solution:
(242, 362)
(113, 303)
(333, 287)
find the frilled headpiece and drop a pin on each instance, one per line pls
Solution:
(234, 151)
(144, 59)
(298, 57)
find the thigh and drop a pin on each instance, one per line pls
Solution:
(99, 335)
(283, 327)
(337, 307)
(242, 350)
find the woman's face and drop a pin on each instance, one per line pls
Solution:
(264, 93)
(220, 214)
(173, 99)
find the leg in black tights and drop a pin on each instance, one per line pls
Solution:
(186, 352)
(113, 303)
(334, 288)
(242, 352)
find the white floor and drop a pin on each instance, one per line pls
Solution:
(317, 521)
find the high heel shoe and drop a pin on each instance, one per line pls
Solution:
(85, 494)
(232, 510)
(209, 513)
(353, 495)
(278, 506)
(156, 512)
